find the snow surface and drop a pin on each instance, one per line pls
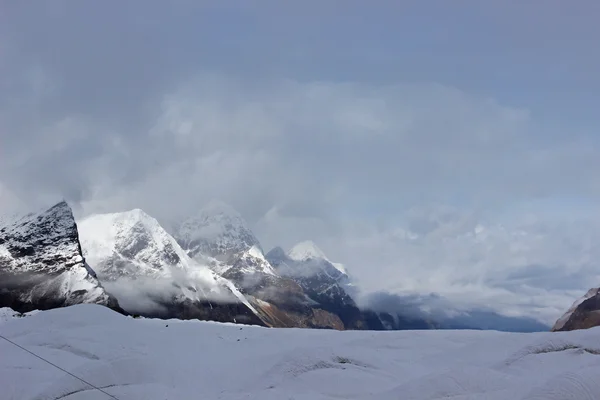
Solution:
(103, 236)
(149, 359)
(8, 314)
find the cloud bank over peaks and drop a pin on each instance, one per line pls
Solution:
(345, 164)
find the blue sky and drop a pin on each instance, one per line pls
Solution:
(388, 132)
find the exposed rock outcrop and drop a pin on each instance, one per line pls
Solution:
(583, 314)
(42, 266)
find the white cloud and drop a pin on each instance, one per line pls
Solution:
(112, 120)
(349, 165)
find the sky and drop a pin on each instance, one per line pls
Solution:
(432, 147)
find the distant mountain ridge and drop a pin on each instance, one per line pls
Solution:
(218, 232)
(210, 266)
(320, 279)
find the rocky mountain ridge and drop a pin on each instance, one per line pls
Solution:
(219, 233)
(42, 265)
(583, 314)
(212, 267)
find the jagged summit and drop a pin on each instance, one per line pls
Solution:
(41, 263)
(323, 281)
(129, 243)
(46, 241)
(133, 246)
(308, 253)
(306, 250)
(217, 231)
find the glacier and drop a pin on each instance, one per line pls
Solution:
(152, 359)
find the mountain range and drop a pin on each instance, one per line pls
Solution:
(209, 266)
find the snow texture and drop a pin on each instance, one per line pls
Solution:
(156, 360)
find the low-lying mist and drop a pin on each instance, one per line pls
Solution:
(446, 315)
(154, 294)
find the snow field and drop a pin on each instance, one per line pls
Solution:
(149, 359)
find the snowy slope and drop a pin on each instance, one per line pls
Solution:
(157, 360)
(41, 264)
(138, 240)
(137, 259)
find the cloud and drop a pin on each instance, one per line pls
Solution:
(446, 314)
(420, 165)
(331, 161)
(409, 142)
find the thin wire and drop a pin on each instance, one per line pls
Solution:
(56, 366)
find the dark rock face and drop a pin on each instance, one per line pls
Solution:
(329, 286)
(281, 302)
(325, 284)
(188, 309)
(399, 322)
(41, 264)
(584, 314)
(332, 297)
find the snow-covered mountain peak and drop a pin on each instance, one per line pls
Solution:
(217, 231)
(44, 248)
(135, 246)
(131, 236)
(42, 241)
(56, 220)
(306, 250)
(129, 219)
